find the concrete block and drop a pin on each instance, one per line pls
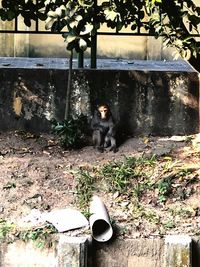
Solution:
(178, 251)
(135, 261)
(26, 254)
(66, 252)
(72, 251)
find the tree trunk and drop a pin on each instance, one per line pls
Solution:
(69, 82)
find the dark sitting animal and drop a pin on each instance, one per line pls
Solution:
(104, 129)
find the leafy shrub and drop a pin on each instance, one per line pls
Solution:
(71, 132)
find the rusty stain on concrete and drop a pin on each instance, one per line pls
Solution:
(17, 105)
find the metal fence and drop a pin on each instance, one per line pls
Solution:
(36, 29)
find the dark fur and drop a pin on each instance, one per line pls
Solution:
(104, 131)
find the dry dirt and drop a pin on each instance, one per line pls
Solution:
(35, 173)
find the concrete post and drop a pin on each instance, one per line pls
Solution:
(154, 48)
(6, 39)
(21, 41)
(72, 251)
(178, 251)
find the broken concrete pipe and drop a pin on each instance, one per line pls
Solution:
(100, 225)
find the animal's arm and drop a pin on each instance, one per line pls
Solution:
(95, 124)
(111, 128)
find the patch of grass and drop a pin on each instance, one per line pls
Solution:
(5, 229)
(84, 189)
(182, 212)
(126, 176)
(117, 176)
(139, 211)
(151, 216)
(169, 224)
(137, 186)
(40, 235)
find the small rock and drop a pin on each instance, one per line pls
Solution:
(115, 195)
(178, 138)
(1, 209)
(124, 203)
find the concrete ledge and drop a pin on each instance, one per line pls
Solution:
(173, 251)
(67, 251)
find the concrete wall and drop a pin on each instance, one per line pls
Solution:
(53, 45)
(48, 45)
(142, 102)
(129, 253)
(169, 251)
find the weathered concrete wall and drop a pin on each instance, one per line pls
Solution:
(160, 103)
(66, 251)
(129, 253)
(171, 251)
(142, 102)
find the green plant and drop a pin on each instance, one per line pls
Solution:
(72, 131)
(182, 212)
(151, 216)
(169, 224)
(5, 229)
(84, 189)
(9, 185)
(164, 188)
(40, 235)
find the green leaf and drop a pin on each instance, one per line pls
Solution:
(70, 38)
(119, 26)
(87, 29)
(110, 14)
(27, 21)
(52, 14)
(58, 125)
(73, 23)
(82, 44)
(11, 15)
(49, 22)
(41, 16)
(85, 3)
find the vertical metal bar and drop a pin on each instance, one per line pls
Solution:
(37, 20)
(80, 59)
(16, 24)
(93, 62)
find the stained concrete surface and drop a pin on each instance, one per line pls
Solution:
(121, 64)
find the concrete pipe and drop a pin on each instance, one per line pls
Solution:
(99, 221)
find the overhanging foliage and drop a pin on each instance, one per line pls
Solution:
(175, 20)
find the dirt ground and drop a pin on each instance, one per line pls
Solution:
(35, 174)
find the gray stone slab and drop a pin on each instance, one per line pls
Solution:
(118, 64)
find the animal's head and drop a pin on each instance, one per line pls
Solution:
(104, 111)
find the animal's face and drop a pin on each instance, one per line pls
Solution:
(103, 110)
